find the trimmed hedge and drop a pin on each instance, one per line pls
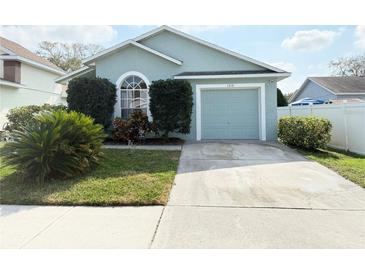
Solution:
(94, 97)
(171, 104)
(308, 132)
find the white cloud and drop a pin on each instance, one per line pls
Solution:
(310, 40)
(30, 36)
(290, 67)
(360, 37)
(198, 28)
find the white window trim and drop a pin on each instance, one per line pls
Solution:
(262, 111)
(118, 83)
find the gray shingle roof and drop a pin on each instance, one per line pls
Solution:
(341, 84)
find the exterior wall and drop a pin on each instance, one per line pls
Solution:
(314, 91)
(39, 88)
(195, 57)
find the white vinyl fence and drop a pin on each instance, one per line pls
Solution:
(348, 123)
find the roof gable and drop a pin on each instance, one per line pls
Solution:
(337, 85)
(140, 41)
(206, 44)
(341, 84)
(13, 48)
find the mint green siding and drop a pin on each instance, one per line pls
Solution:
(230, 114)
(195, 57)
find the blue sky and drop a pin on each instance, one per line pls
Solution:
(303, 50)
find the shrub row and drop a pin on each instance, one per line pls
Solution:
(305, 132)
(22, 116)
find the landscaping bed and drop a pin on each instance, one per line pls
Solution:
(125, 177)
(349, 165)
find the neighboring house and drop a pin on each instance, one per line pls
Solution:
(336, 88)
(234, 95)
(26, 79)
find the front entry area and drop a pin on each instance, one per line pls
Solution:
(230, 114)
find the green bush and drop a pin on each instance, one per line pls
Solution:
(281, 99)
(94, 97)
(171, 103)
(59, 144)
(131, 130)
(307, 132)
(21, 116)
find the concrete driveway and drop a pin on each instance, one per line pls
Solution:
(226, 195)
(259, 195)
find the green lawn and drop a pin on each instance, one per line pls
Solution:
(125, 177)
(349, 165)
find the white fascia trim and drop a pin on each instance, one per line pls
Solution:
(136, 44)
(262, 105)
(10, 84)
(169, 58)
(207, 44)
(7, 51)
(230, 76)
(32, 63)
(76, 73)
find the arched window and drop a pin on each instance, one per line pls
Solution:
(134, 95)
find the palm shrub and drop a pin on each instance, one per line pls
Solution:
(308, 132)
(59, 144)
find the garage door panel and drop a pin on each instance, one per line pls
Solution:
(229, 114)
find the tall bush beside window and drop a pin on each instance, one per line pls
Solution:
(171, 103)
(94, 97)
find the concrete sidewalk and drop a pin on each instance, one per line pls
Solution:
(77, 227)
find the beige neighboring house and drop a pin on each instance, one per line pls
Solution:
(26, 79)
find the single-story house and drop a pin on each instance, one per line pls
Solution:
(26, 79)
(234, 95)
(334, 88)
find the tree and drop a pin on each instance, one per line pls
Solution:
(281, 100)
(171, 103)
(288, 96)
(95, 97)
(67, 56)
(348, 66)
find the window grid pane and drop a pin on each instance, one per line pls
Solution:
(134, 94)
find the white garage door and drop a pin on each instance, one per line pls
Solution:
(229, 114)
